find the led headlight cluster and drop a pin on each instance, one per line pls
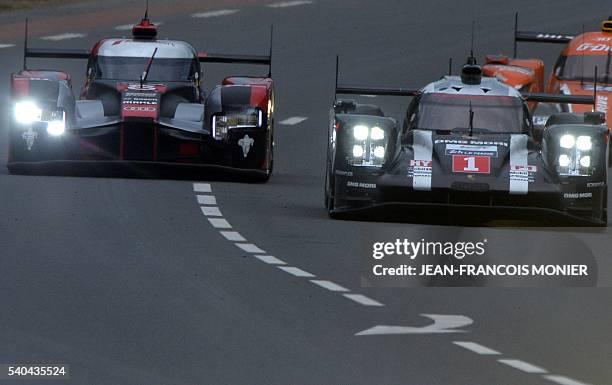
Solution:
(369, 146)
(27, 112)
(575, 155)
(222, 124)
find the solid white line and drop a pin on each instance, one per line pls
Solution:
(329, 285)
(219, 223)
(476, 348)
(221, 12)
(6, 45)
(296, 271)
(562, 380)
(202, 187)
(363, 300)
(211, 211)
(63, 36)
(523, 366)
(292, 121)
(233, 236)
(249, 248)
(285, 4)
(207, 199)
(270, 260)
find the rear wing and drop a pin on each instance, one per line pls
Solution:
(538, 37)
(373, 91)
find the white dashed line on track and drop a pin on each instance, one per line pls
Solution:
(219, 223)
(296, 271)
(202, 187)
(329, 285)
(233, 236)
(476, 348)
(562, 380)
(63, 36)
(523, 366)
(363, 300)
(249, 248)
(270, 260)
(221, 12)
(211, 211)
(292, 121)
(6, 45)
(285, 4)
(207, 199)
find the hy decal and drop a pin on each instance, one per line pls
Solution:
(246, 143)
(30, 136)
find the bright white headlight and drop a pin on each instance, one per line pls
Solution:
(583, 143)
(585, 161)
(27, 112)
(56, 127)
(379, 152)
(361, 132)
(567, 141)
(377, 133)
(564, 160)
(358, 151)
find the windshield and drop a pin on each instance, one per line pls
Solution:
(131, 68)
(582, 67)
(503, 114)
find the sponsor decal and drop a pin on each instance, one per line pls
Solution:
(466, 149)
(553, 36)
(29, 136)
(144, 87)
(540, 120)
(472, 142)
(472, 164)
(602, 103)
(361, 185)
(246, 143)
(596, 184)
(344, 173)
(593, 47)
(577, 195)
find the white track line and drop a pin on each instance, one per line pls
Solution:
(292, 121)
(329, 285)
(476, 348)
(211, 211)
(202, 187)
(219, 223)
(6, 45)
(296, 271)
(221, 12)
(249, 248)
(523, 366)
(285, 4)
(562, 380)
(270, 260)
(206, 199)
(233, 236)
(63, 36)
(363, 300)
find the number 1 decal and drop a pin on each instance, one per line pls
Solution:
(472, 164)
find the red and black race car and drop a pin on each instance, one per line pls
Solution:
(142, 108)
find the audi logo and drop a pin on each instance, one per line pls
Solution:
(140, 109)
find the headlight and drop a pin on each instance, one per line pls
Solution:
(361, 132)
(222, 124)
(564, 160)
(56, 127)
(567, 141)
(583, 143)
(27, 112)
(379, 152)
(358, 151)
(219, 127)
(585, 161)
(377, 133)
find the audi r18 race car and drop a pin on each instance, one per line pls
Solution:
(468, 145)
(142, 108)
(583, 65)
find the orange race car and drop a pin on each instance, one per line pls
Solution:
(584, 64)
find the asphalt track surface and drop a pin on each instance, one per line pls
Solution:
(127, 281)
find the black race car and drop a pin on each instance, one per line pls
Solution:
(142, 109)
(467, 146)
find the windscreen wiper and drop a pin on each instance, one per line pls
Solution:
(145, 74)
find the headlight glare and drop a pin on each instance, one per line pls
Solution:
(567, 141)
(56, 127)
(361, 132)
(379, 152)
(358, 151)
(583, 143)
(564, 160)
(585, 161)
(377, 133)
(27, 112)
